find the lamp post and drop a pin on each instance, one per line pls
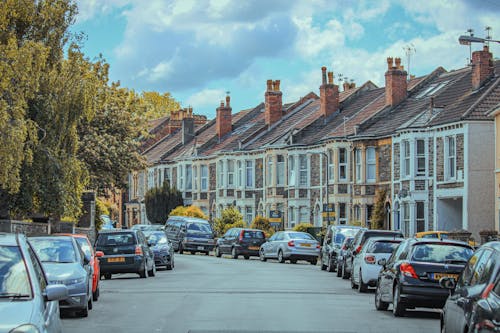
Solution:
(467, 40)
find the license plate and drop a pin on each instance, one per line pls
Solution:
(305, 245)
(117, 259)
(201, 248)
(439, 276)
(253, 247)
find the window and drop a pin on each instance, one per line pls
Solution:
(420, 158)
(280, 170)
(204, 177)
(269, 171)
(166, 175)
(357, 213)
(369, 212)
(304, 215)
(189, 178)
(420, 216)
(291, 217)
(370, 164)
(240, 174)
(406, 219)
(230, 173)
(249, 174)
(342, 213)
(302, 170)
(195, 178)
(450, 158)
(342, 164)
(248, 215)
(180, 183)
(220, 180)
(331, 165)
(406, 158)
(291, 171)
(357, 156)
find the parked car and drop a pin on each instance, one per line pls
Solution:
(27, 302)
(190, 234)
(330, 251)
(474, 304)
(410, 277)
(344, 248)
(359, 241)
(162, 248)
(65, 263)
(93, 258)
(240, 241)
(291, 245)
(148, 227)
(440, 235)
(365, 267)
(125, 251)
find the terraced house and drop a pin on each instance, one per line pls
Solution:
(422, 148)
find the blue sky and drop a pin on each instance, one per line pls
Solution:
(199, 49)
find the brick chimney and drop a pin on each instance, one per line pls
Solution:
(482, 67)
(328, 94)
(274, 103)
(187, 126)
(224, 123)
(395, 82)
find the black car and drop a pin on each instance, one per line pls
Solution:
(344, 248)
(357, 244)
(240, 241)
(474, 305)
(410, 277)
(125, 251)
(162, 248)
(334, 238)
(190, 234)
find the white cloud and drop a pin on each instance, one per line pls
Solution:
(206, 97)
(312, 40)
(89, 9)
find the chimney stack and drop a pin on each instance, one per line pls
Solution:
(328, 94)
(482, 67)
(187, 127)
(274, 103)
(224, 121)
(395, 82)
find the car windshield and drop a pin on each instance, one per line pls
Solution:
(54, 250)
(300, 235)
(157, 238)
(200, 227)
(441, 253)
(85, 246)
(14, 280)
(343, 233)
(118, 239)
(253, 234)
(382, 247)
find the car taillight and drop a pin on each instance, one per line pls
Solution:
(359, 249)
(488, 324)
(407, 270)
(242, 232)
(318, 246)
(138, 250)
(487, 290)
(370, 260)
(291, 243)
(344, 247)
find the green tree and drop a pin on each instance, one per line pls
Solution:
(303, 227)
(379, 214)
(193, 211)
(230, 218)
(160, 201)
(262, 223)
(156, 105)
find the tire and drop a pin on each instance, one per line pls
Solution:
(144, 273)
(181, 249)
(95, 294)
(314, 262)
(398, 309)
(345, 275)
(379, 304)
(84, 313)
(281, 259)
(353, 284)
(329, 267)
(246, 257)
(193, 252)
(262, 257)
(293, 261)
(207, 253)
(169, 267)
(152, 272)
(234, 254)
(362, 287)
(90, 304)
(323, 266)
(107, 276)
(339, 270)
(217, 252)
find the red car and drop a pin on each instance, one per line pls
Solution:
(88, 250)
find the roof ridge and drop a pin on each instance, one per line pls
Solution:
(485, 95)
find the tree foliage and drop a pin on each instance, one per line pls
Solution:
(193, 211)
(160, 201)
(379, 213)
(303, 227)
(262, 223)
(230, 218)
(156, 105)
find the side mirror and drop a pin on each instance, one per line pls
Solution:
(447, 283)
(354, 253)
(55, 292)
(382, 262)
(99, 254)
(86, 260)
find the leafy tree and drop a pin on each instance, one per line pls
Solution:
(379, 213)
(230, 217)
(303, 227)
(160, 201)
(100, 209)
(262, 223)
(193, 211)
(156, 105)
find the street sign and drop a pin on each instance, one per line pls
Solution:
(275, 216)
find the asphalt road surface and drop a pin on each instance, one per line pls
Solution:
(208, 294)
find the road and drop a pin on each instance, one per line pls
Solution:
(208, 294)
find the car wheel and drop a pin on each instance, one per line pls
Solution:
(362, 287)
(262, 257)
(193, 252)
(144, 273)
(84, 312)
(398, 309)
(353, 284)
(339, 270)
(169, 267)
(329, 268)
(95, 294)
(293, 261)
(90, 304)
(345, 274)
(281, 259)
(246, 257)
(207, 253)
(379, 304)
(181, 249)
(107, 276)
(234, 254)
(217, 252)
(314, 261)
(152, 272)
(323, 266)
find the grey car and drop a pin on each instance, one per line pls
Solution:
(64, 263)
(290, 245)
(27, 302)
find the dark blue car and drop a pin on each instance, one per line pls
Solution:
(162, 248)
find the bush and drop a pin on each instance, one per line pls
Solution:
(237, 224)
(230, 216)
(303, 227)
(262, 223)
(192, 211)
(100, 209)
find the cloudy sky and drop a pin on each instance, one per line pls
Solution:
(199, 49)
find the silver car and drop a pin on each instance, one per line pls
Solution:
(290, 245)
(64, 263)
(27, 302)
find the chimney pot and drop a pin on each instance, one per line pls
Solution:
(323, 75)
(395, 83)
(328, 94)
(269, 85)
(398, 63)
(221, 104)
(277, 85)
(389, 63)
(228, 99)
(482, 67)
(330, 77)
(274, 104)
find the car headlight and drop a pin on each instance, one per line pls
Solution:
(74, 281)
(27, 328)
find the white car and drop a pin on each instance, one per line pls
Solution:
(365, 267)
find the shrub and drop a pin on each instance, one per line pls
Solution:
(303, 227)
(262, 223)
(230, 216)
(192, 211)
(237, 224)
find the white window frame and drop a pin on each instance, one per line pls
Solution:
(292, 174)
(342, 213)
(240, 174)
(357, 213)
(303, 170)
(342, 165)
(420, 156)
(280, 170)
(204, 177)
(291, 217)
(406, 159)
(420, 219)
(180, 182)
(331, 165)
(406, 218)
(248, 214)
(195, 177)
(269, 171)
(230, 173)
(450, 158)
(189, 177)
(371, 165)
(249, 174)
(167, 175)
(220, 169)
(304, 215)
(358, 161)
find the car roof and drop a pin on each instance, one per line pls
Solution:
(378, 239)
(438, 241)
(8, 239)
(118, 231)
(52, 237)
(494, 245)
(346, 227)
(188, 218)
(73, 235)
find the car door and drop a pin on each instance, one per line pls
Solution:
(325, 249)
(387, 274)
(272, 245)
(148, 253)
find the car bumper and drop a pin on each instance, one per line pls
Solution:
(198, 247)
(74, 301)
(301, 254)
(131, 265)
(163, 259)
(429, 297)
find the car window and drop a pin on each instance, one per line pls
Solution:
(199, 227)
(40, 276)
(496, 289)
(466, 275)
(14, 278)
(156, 238)
(54, 249)
(397, 253)
(441, 253)
(430, 236)
(85, 246)
(300, 235)
(253, 234)
(481, 269)
(118, 239)
(280, 236)
(382, 247)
